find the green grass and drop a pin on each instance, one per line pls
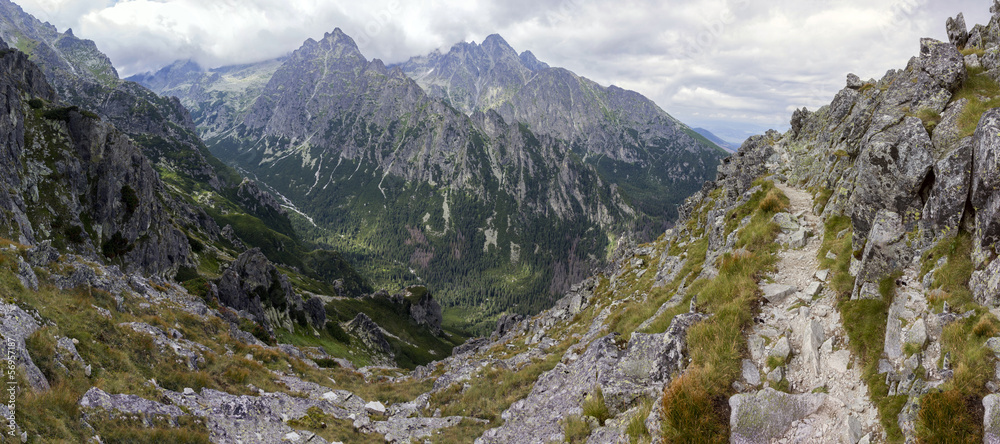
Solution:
(695, 405)
(979, 84)
(595, 407)
(576, 429)
(956, 412)
(636, 427)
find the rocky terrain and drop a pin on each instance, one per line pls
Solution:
(835, 283)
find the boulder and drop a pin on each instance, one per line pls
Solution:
(786, 222)
(812, 338)
(507, 323)
(943, 63)
(765, 415)
(16, 325)
(751, 375)
(316, 311)
(892, 168)
(854, 82)
(991, 420)
(917, 334)
(776, 293)
(985, 284)
(781, 349)
(127, 405)
(885, 252)
(958, 32)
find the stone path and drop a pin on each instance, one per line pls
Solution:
(799, 338)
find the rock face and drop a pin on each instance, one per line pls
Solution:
(369, 333)
(425, 311)
(766, 415)
(102, 198)
(253, 284)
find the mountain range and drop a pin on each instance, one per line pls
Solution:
(499, 187)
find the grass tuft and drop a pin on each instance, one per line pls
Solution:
(595, 407)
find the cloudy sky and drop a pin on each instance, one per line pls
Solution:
(732, 66)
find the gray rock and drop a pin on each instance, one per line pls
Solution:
(947, 198)
(781, 349)
(26, 275)
(370, 334)
(647, 364)
(425, 310)
(958, 32)
(823, 275)
(127, 405)
(917, 334)
(776, 293)
(813, 289)
(943, 63)
(852, 429)
(316, 311)
(884, 252)
(991, 420)
(766, 415)
(787, 223)
(985, 284)
(799, 238)
(751, 375)
(252, 275)
(854, 82)
(813, 337)
(993, 344)
(985, 195)
(776, 375)
(16, 325)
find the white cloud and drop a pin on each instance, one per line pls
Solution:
(712, 63)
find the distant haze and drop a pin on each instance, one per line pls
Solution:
(735, 67)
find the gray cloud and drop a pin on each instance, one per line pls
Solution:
(733, 66)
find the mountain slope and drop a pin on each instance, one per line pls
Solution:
(657, 160)
(715, 139)
(384, 170)
(171, 209)
(411, 188)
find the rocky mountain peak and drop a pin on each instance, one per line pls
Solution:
(529, 61)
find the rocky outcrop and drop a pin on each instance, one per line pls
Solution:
(761, 417)
(424, 310)
(254, 285)
(369, 333)
(16, 325)
(646, 364)
(958, 32)
(103, 196)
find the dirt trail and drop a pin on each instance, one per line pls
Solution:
(820, 360)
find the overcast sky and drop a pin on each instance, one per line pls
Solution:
(732, 66)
